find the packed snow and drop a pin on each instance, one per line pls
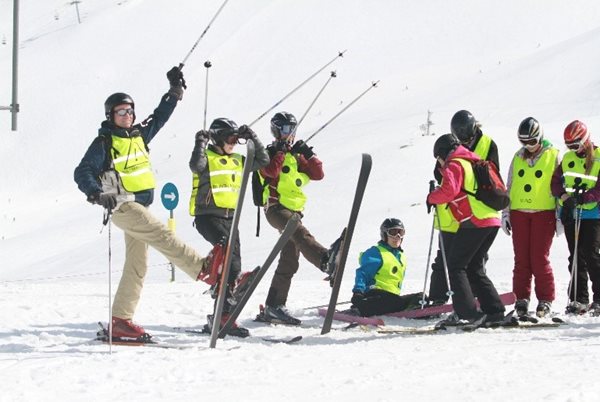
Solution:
(503, 61)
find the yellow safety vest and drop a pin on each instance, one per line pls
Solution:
(290, 185)
(131, 160)
(530, 188)
(391, 274)
(574, 172)
(483, 146)
(225, 172)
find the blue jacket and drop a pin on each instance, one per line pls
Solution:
(370, 263)
(96, 160)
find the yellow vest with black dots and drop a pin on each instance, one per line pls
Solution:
(447, 221)
(530, 188)
(290, 185)
(574, 173)
(225, 172)
(131, 161)
(391, 274)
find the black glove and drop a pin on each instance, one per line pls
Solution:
(579, 197)
(203, 136)
(357, 299)
(108, 201)
(177, 82)
(246, 133)
(175, 77)
(566, 215)
(569, 203)
(300, 147)
(431, 188)
(282, 146)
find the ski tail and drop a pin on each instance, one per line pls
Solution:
(285, 236)
(361, 186)
(231, 241)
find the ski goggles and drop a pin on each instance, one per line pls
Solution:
(395, 232)
(574, 146)
(531, 142)
(232, 139)
(124, 112)
(286, 129)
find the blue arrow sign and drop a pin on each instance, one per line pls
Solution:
(169, 196)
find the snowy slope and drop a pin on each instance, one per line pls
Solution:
(503, 61)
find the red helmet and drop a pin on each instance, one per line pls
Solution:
(576, 132)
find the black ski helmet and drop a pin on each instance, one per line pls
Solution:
(390, 223)
(464, 126)
(118, 98)
(444, 145)
(530, 129)
(222, 128)
(283, 123)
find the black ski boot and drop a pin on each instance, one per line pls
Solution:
(522, 307)
(277, 315)
(235, 329)
(543, 308)
(594, 309)
(576, 308)
(330, 260)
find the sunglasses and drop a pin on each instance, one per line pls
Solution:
(286, 129)
(396, 232)
(123, 112)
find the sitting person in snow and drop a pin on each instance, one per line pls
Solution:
(380, 275)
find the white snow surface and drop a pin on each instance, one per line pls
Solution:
(503, 61)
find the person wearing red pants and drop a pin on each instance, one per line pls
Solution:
(531, 216)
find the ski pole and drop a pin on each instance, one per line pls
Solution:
(110, 326)
(574, 263)
(340, 54)
(208, 65)
(202, 35)
(331, 75)
(373, 85)
(423, 302)
(326, 305)
(449, 293)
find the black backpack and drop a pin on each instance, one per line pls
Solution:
(490, 188)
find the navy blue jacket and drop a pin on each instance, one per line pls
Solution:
(97, 159)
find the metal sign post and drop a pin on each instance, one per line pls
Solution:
(170, 198)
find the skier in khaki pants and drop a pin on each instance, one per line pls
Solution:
(115, 173)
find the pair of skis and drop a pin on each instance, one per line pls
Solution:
(287, 233)
(221, 331)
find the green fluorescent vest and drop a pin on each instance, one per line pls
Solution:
(530, 188)
(131, 161)
(480, 210)
(290, 185)
(225, 173)
(447, 221)
(574, 172)
(483, 146)
(391, 274)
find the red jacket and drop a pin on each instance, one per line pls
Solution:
(452, 192)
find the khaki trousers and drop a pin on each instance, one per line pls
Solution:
(143, 230)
